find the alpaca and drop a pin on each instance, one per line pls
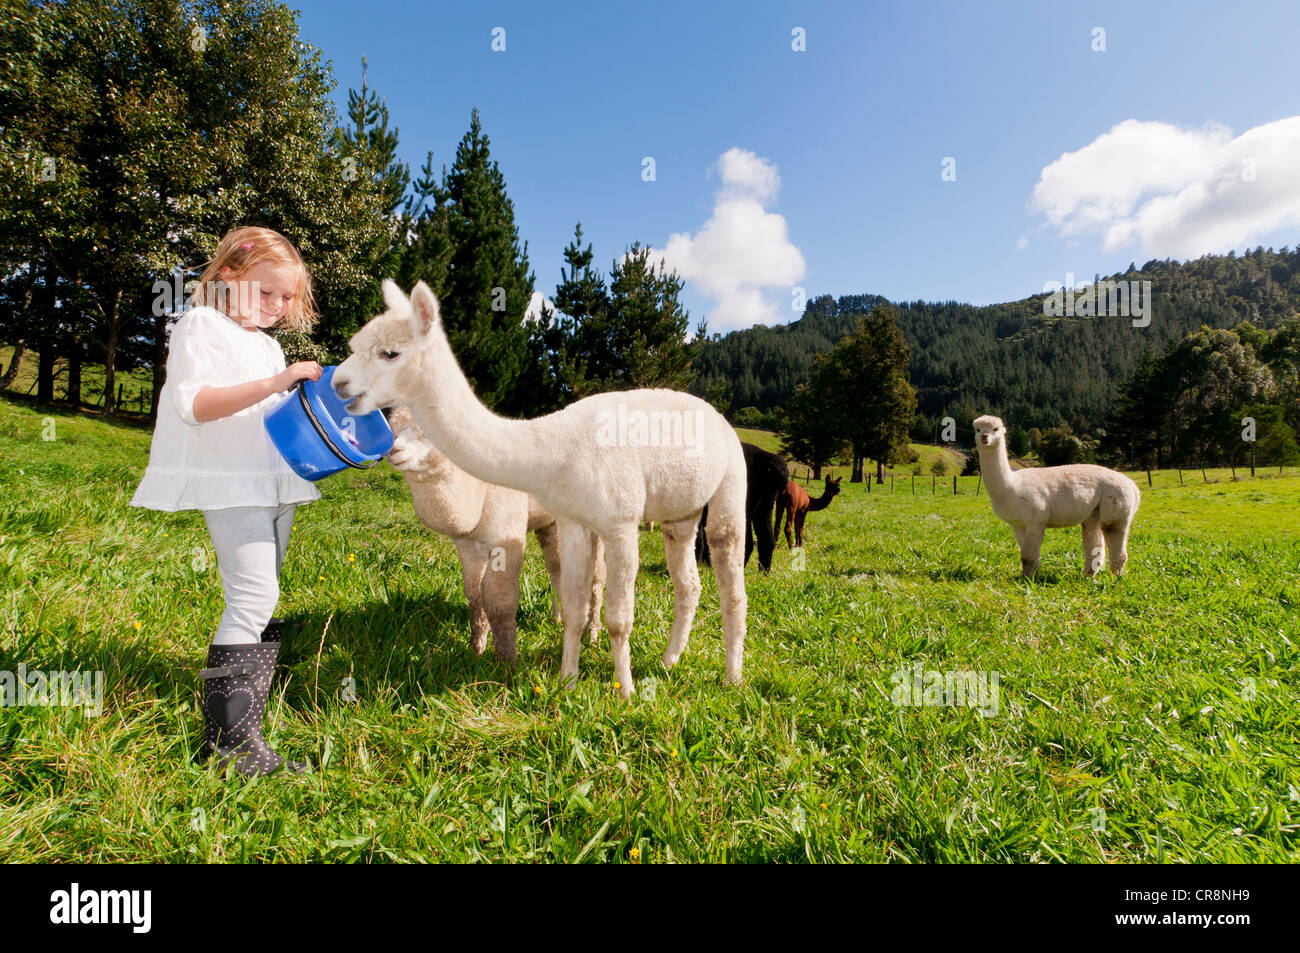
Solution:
(601, 466)
(1103, 501)
(488, 525)
(766, 475)
(794, 504)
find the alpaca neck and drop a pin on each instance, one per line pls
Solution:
(506, 452)
(995, 469)
(820, 503)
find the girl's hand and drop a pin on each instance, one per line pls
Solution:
(299, 371)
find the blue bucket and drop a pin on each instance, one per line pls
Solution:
(318, 437)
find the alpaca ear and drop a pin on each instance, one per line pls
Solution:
(424, 311)
(393, 296)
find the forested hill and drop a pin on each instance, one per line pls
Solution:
(1033, 369)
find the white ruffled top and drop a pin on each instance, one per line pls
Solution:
(219, 463)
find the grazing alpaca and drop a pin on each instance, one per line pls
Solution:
(488, 525)
(766, 475)
(794, 504)
(600, 466)
(1103, 501)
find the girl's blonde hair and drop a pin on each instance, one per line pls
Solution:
(245, 248)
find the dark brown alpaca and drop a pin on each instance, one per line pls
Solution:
(766, 474)
(795, 504)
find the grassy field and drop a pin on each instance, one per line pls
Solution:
(1152, 718)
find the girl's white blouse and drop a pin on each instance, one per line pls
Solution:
(219, 463)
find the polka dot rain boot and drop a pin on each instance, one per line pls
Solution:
(273, 631)
(236, 685)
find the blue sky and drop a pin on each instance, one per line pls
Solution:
(855, 129)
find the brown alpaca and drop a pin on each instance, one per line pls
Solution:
(795, 504)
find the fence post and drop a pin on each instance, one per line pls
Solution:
(1180, 476)
(1149, 483)
(934, 483)
(891, 483)
(979, 479)
(914, 484)
(954, 484)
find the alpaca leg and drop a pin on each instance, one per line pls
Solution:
(1030, 547)
(678, 544)
(597, 587)
(1093, 549)
(1117, 546)
(749, 535)
(501, 596)
(798, 527)
(762, 519)
(726, 523)
(788, 514)
(575, 591)
(473, 563)
(622, 560)
(549, 540)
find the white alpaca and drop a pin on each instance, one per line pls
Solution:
(489, 526)
(1031, 500)
(601, 466)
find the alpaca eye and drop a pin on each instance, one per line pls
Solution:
(390, 355)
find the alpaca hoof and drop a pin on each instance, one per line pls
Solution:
(670, 659)
(732, 678)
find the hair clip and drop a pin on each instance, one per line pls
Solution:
(246, 245)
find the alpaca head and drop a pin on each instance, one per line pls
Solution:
(387, 344)
(990, 432)
(832, 486)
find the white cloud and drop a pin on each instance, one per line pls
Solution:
(1176, 192)
(742, 257)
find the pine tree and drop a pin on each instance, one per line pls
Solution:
(466, 247)
(868, 372)
(631, 334)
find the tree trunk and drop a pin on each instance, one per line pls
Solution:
(110, 353)
(880, 471)
(74, 371)
(48, 344)
(856, 475)
(45, 372)
(14, 362)
(159, 362)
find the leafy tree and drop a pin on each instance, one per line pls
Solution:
(1060, 446)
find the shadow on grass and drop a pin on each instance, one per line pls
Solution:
(405, 649)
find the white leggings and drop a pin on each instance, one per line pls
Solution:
(250, 543)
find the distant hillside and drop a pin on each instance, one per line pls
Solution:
(1011, 359)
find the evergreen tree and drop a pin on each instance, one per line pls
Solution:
(631, 334)
(466, 247)
(810, 430)
(876, 403)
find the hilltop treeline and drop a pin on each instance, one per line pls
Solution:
(1037, 371)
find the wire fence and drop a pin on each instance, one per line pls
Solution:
(930, 484)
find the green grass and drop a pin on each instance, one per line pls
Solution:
(1166, 699)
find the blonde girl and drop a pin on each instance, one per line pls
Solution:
(211, 452)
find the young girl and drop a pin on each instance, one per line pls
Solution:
(211, 452)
